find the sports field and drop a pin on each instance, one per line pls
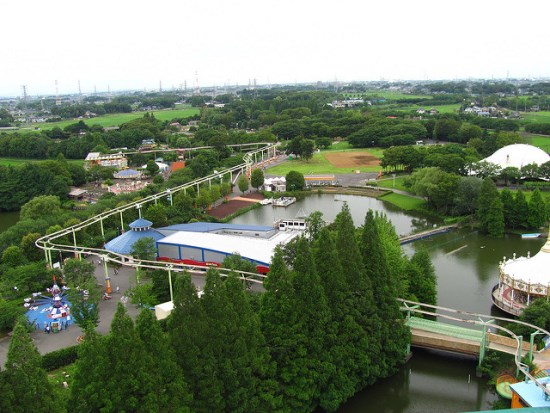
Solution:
(332, 162)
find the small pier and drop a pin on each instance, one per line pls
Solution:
(425, 234)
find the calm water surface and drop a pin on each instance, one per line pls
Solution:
(466, 265)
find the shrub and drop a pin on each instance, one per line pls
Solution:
(59, 358)
(9, 312)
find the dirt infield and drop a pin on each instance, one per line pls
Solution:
(224, 210)
(351, 159)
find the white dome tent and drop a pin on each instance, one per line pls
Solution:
(518, 155)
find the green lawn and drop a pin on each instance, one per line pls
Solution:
(120, 118)
(440, 108)
(387, 94)
(405, 202)
(388, 182)
(320, 165)
(542, 142)
(536, 117)
(21, 161)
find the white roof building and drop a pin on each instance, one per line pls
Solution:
(207, 246)
(530, 270)
(522, 279)
(518, 156)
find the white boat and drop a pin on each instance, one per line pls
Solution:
(534, 235)
(284, 201)
(266, 201)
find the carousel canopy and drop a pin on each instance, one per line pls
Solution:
(530, 270)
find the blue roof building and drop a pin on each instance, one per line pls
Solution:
(140, 228)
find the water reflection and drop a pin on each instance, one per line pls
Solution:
(431, 381)
(331, 205)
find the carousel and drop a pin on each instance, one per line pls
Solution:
(521, 280)
(49, 311)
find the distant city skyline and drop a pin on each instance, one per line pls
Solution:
(135, 45)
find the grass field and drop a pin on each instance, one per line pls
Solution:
(120, 118)
(405, 202)
(388, 182)
(21, 161)
(387, 94)
(320, 164)
(536, 117)
(542, 142)
(440, 108)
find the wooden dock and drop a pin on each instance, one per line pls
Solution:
(425, 234)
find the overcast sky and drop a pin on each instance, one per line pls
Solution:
(136, 44)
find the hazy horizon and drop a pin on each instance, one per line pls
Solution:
(135, 45)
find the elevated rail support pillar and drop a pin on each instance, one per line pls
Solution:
(102, 229)
(532, 343)
(76, 254)
(409, 308)
(107, 278)
(520, 337)
(482, 345)
(170, 283)
(48, 257)
(121, 223)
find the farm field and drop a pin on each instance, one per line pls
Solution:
(21, 161)
(120, 118)
(332, 162)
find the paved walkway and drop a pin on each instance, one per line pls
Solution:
(65, 338)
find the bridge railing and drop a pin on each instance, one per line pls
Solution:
(483, 320)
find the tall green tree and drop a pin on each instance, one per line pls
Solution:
(87, 390)
(243, 360)
(26, 381)
(311, 317)
(538, 214)
(342, 332)
(243, 183)
(128, 384)
(144, 248)
(393, 332)
(508, 208)
(521, 209)
(84, 293)
(295, 181)
(360, 302)
(188, 331)
(171, 393)
(423, 280)
(488, 208)
(257, 178)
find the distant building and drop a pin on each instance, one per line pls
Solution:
(116, 160)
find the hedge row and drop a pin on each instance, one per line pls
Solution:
(59, 358)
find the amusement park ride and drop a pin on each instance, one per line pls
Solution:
(50, 310)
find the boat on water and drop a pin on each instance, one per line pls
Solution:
(284, 201)
(533, 235)
(266, 201)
